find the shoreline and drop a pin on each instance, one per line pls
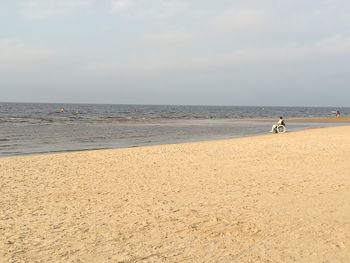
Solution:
(279, 198)
(341, 119)
(213, 138)
(209, 138)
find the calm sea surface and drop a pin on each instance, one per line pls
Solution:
(38, 128)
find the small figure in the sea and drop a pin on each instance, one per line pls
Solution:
(337, 114)
(61, 110)
(280, 126)
(76, 114)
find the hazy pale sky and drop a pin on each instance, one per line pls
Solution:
(222, 52)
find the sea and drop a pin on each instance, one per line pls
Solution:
(32, 128)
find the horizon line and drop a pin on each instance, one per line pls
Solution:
(156, 104)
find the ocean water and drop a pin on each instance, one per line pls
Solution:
(27, 128)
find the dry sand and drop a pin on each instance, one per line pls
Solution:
(272, 198)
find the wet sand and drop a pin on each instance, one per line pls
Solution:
(343, 119)
(271, 198)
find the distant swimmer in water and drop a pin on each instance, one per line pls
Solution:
(76, 114)
(61, 110)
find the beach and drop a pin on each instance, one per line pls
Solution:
(270, 198)
(342, 119)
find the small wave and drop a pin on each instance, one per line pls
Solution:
(11, 119)
(45, 119)
(125, 112)
(123, 119)
(9, 145)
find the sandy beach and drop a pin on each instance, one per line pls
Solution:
(270, 198)
(342, 119)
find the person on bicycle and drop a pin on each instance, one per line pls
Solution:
(280, 122)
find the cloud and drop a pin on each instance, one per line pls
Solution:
(238, 20)
(41, 9)
(301, 54)
(150, 9)
(338, 44)
(333, 47)
(120, 4)
(14, 52)
(169, 39)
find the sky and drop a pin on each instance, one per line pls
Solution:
(183, 52)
